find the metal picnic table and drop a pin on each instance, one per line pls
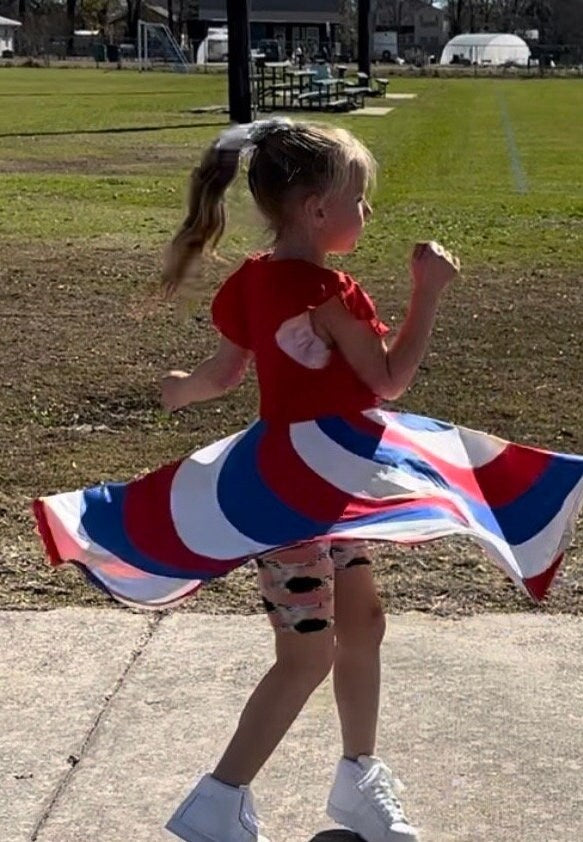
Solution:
(325, 89)
(302, 76)
(264, 68)
(279, 83)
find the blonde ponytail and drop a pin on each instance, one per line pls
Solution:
(287, 158)
(205, 221)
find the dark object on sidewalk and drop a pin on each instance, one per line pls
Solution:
(336, 835)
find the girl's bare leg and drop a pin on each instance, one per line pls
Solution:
(303, 661)
(297, 586)
(360, 627)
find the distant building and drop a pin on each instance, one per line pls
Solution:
(420, 27)
(150, 12)
(493, 48)
(8, 29)
(310, 24)
(431, 29)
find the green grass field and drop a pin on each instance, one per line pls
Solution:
(446, 164)
(94, 171)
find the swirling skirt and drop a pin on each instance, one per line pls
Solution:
(379, 476)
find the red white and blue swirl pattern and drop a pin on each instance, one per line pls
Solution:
(380, 476)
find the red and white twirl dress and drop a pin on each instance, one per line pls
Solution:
(324, 460)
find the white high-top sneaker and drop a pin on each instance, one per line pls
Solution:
(216, 812)
(363, 799)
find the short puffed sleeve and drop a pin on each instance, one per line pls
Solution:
(228, 310)
(355, 299)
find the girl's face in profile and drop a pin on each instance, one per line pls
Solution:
(346, 213)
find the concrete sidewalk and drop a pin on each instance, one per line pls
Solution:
(107, 717)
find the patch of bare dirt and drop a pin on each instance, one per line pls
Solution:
(138, 160)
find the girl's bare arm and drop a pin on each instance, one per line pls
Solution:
(210, 379)
(389, 370)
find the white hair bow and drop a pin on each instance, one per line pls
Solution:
(245, 135)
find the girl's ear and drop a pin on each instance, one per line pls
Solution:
(314, 210)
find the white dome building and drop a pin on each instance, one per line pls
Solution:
(486, 48)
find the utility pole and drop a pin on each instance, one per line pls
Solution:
(364, 32)
(239, 83)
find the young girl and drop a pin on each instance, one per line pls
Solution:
(321, 471)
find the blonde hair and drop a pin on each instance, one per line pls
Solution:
(287, 158)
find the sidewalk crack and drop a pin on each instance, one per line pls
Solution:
(75, 759)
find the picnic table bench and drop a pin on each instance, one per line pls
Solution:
(325, 87)
(312, 97)
(280, 89)
(357, 93)
(378, 86)
(383, 85)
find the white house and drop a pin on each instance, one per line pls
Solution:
(7, 29)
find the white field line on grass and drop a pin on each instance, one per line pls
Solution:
(520, 180)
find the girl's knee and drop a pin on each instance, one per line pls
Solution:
(378, 624)
(364, 629)
(306, 658)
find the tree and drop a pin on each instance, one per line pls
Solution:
(45, 20)
(71, 9)
(187, 10)
(390, 12)
(94, 14)
(134, 12)
(559, 21)
(485, 10)
(348, 26)
(491, 15)
(456, 12)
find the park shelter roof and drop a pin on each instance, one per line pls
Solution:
(277, 11)
(9, 22)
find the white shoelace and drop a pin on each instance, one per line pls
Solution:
(384, 789)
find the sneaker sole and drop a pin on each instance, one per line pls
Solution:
(184, 832)
(339, 816)
(343, 818)
(178, 828)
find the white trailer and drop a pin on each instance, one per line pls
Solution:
(384, 45)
